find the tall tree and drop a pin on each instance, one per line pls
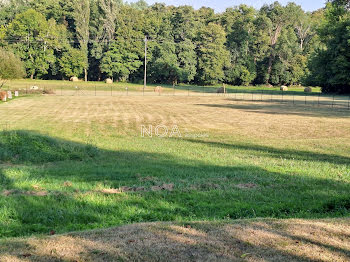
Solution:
(330, 65)
(240, 28)
(277, 18)
(82, 20)
(212, 54)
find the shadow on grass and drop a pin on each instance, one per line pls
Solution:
(268, 240)
(291, 154)
(201, 191)
(283, 108)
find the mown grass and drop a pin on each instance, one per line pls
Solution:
(55, 170)
(132, 87)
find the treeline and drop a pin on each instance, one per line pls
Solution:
(98, 39)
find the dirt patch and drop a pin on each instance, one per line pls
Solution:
(246, 186)
(147, 179)
(243, 240)
(110, 191)
(107, 191)
(167, 187)
(67, 184)
(37, 187)
(205, 187)
(25, 193)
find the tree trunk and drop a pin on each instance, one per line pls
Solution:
(32, 76)
(274, 39)
(86, 76)
(269, 68)
(301, 44)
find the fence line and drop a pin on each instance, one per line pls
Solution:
(291, 97)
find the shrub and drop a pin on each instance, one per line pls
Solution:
(49, 91)
(11, 67)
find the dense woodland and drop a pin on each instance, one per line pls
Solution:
(98, 39)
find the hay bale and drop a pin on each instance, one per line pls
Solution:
(284, 88)
(34, 88)
(109, 81)
(3, 96)
(308, 90)
(158, 89)
(74, 79)
(221, 90)
(9, 94)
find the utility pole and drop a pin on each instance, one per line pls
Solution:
(145, 76)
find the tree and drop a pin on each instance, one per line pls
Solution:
(34, 39)
(241, 46)
(184, 28)
(174, 58)
(239, 23)
(82, 19)
(11, 67)
(119, 61)
(72, 62)
(276, 17)
(140, 5)
(102, 27)
(330, 66)
(212, 54)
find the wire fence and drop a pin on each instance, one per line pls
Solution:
(297, 98)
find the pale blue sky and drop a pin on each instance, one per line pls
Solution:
(221, 5)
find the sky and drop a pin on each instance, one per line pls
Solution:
(221, 5)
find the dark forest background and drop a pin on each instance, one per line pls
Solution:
(98, 39)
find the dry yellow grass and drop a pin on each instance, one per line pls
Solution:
(250, 240)
(217, 114)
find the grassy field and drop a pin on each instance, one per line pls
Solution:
(76, 163)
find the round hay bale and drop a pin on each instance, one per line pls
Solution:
(74, 79)
(109, 81)
(308, 90)
(284, 88)
(34, 88)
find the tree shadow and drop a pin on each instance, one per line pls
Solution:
(260, 239)
(283, 108)
(292, 154)
(199, 191)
